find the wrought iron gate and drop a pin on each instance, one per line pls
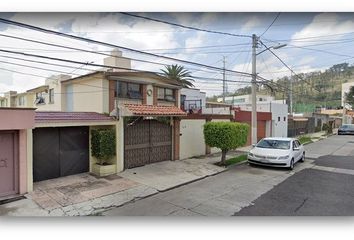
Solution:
(145, 142)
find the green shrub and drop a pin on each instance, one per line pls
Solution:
(305, 139)
(103, 144)
(327, 127)
(225, 136)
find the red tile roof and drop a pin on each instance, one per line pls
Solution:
(54, 116)
(152, 110)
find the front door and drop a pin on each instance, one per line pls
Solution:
(8, 163)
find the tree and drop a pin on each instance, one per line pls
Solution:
(349, 97)
(226, 136)
(178, 73)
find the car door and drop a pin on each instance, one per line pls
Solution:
(302, 150)
(296, 152)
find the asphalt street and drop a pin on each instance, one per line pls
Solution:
(322, 186)
(313, 192)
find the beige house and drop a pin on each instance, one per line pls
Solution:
(142, 107)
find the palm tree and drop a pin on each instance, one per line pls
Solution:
(178, 73)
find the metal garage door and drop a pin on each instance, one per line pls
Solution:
(145, 142)
(60, 152)
(8, 163)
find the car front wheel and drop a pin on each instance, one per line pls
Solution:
(291, 167)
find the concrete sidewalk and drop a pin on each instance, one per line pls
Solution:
(82, 195)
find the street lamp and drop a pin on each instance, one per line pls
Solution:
(254, 86)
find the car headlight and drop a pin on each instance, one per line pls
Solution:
(251, 154)
(284, 157)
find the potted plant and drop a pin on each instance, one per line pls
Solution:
(103, 148)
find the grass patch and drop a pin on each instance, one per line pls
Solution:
(234, 160)
(305, 139)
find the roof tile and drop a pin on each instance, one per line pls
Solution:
(56, 116)
(152, 110)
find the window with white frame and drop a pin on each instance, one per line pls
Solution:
(39, 98)
(51, 95)
(21, 100)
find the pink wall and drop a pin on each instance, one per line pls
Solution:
(19, 119)
(16, 118)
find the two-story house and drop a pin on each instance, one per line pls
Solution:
(143, 108)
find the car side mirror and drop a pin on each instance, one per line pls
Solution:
(253, 145)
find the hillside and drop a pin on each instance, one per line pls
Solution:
(309, 89)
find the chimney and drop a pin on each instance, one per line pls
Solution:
(117, 60)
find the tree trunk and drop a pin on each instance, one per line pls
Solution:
(223, 157)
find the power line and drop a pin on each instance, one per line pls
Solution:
(76, 49)
(312, 37)
(108, 44)
(323, 51)
(40, 62)
(46, 69)
(276, 17)
(184, 26)
(67, 66)
(85, 63)
(284, 63)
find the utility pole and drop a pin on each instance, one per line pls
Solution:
(254, 89)
(291, 94)
(223, 81)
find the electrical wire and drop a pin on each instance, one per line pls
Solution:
(22, 25)
(184, 26)
(276, 17)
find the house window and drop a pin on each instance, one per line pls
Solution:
(284, 119)
(129, 90)
(21, 101)
(39, 98)
(51, 95)
(278, 119)
(165, 94)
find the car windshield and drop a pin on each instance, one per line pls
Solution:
(347, 127)
(274, 144)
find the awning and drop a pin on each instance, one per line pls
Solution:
(152, 110)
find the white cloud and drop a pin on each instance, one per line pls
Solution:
(322, 24)
(107, 28)
(254, 22)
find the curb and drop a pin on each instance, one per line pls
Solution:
(161, 191)
(194, 180)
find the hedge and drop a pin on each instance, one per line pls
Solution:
(103, 144)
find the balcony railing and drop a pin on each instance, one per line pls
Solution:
(192, 106)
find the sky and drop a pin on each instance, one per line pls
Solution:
(315, 41)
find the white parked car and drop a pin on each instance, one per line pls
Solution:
(279, 152)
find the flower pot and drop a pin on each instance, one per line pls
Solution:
(104, 170)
